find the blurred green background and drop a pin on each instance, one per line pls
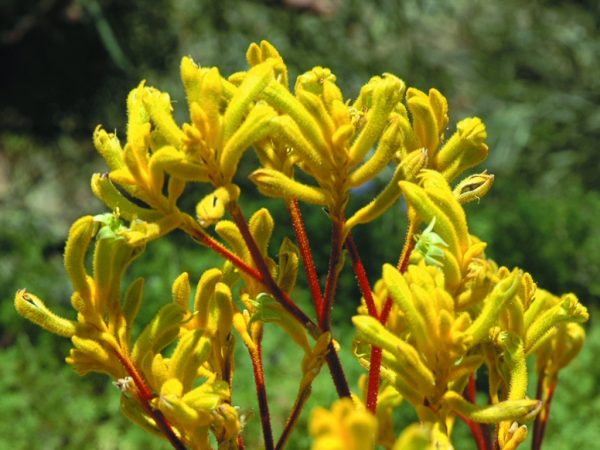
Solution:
(530, 69)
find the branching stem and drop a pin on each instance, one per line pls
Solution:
(365, 288)
(261, 393)
(333, 272)
(262, 275)
(306, 253)
(477, 429)
(145, 396)
(539, 426)
(363, 282)
(335, 366)
(293, 417)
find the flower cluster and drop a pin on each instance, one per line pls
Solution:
(423, 331)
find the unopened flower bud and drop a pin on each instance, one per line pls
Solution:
(474, 187)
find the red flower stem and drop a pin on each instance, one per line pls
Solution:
(261, 393)
(476, 432)
(145, 396)
(262, 275)
(361, 276)
(293, 418)
(375, 366)
(471, 390)
(306, 253)
(409, 245)
(240, 442)
(385, 312)
(477, 429)
(365, 288)
(539, 426)
(335, 366)
(374, 378)
(337, 372)
(324, 314)
(333, 272)
(535, 442)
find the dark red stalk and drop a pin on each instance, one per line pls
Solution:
(262, 274)
(145, 396)
(293, 419)
(374, 378)
(261, 393)
(385, 312)
(365, 288)
(333, 272)
(337, 372)
(409, 245)
(476, 432)
(306, 253)
(539, 426)
(363, 282)
(335, 367)
(361, 276)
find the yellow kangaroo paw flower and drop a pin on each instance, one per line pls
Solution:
(406, 170)
(208, 395)
(159, 333)
(113, 199)
(221, 314)
(280, 98)
(160, 161)
(134, 412)
(80, 235)
(230, 233)
(287, 269)
(465, 149)
(255, 81)
(405, 354)
(439, 190)
(137, 116)
(424, 120)
(275, 184)
(212, 207)
(131, 304)
(474, 187)
(181, 291)
(189, 354)
(427, 209)
(204, 293)
(387, 92)
(33, 308)
(314, 105)
(439, 106)
(289, 131)
(256, 55)
(388, 144)
(402, 296)
(253, 129)
(191, 77)
(569, 309)
(504, 291)
(261, 227)
(141, 232)
(158, 105)
(506, 410)
(109, 147)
